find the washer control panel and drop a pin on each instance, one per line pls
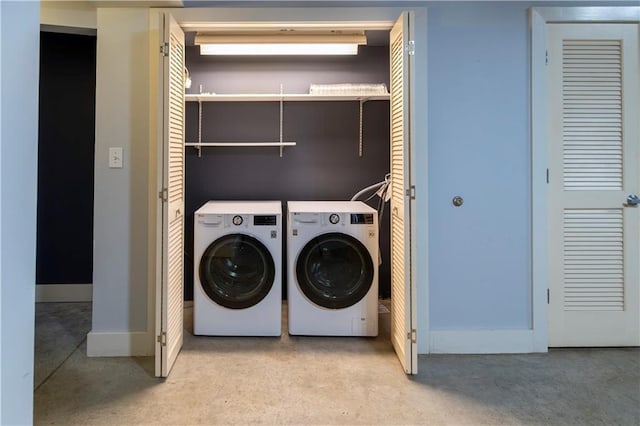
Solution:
(244, 220)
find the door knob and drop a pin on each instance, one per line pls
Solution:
(632, 201)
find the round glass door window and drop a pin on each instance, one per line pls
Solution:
(334, 270)
(237, 271)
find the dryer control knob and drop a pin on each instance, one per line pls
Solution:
(334, 218)
(237, 220)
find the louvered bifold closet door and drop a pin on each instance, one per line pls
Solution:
(402, 337)
(173, 212)
(594, 237)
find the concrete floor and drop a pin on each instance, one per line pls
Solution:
(304, 380)
(60, 329)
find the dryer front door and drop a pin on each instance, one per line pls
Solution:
(237, 271)
(334, 270)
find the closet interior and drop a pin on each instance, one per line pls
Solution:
(260, 128)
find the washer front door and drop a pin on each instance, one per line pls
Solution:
(237, 271)
(334, 270)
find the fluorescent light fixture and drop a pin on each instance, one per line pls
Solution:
(279, 49)
(285, 43)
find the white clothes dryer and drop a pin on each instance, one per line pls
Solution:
(332, 271)
(238, 269)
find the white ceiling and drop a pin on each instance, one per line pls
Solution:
(119, 3)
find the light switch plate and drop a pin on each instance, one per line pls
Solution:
(115, 157)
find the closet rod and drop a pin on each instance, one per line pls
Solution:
(239, 144)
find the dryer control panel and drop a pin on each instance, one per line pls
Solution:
(361, 218)
(328, 219)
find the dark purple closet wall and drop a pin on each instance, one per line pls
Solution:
(324, 165)
(66, 142)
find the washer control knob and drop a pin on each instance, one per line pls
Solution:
(334, 218)
(237, 220)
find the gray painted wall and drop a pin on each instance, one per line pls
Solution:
(20, 29)
(121, 195)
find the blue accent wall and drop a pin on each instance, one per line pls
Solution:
(479, 148)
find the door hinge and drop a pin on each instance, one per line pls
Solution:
(164, 49)
(548, 296)
(411, 47)
(411, 192)
(163, 195)
(162, 338)
(546, 57)
(547, 175)
(412, 335)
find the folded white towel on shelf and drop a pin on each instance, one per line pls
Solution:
(349, 89)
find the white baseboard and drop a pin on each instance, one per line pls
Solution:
(64, 292)
(482, 341)
(135, 343)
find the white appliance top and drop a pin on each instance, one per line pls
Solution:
(241, 207)
(329, 207)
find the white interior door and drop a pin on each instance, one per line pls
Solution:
(403, 320)
(594, 235)
(169, 316)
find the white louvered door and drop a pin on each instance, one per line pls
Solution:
(403, 328)
(171, 292)
(594, 133)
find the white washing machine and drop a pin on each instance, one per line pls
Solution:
(332, 268)
(238, 269)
